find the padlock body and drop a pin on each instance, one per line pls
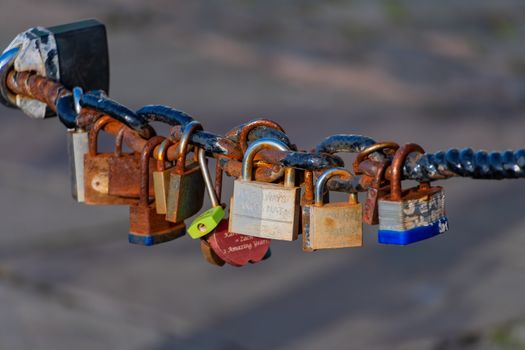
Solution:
(332, 225)
(96, 182)
(370, 206)
(210, 255)
(185, 193)
(124, 175)
(419, 215)
(77, 144)
(236, 249)
(161, 180)
(265, 210)
(149, 228)
(83, 55)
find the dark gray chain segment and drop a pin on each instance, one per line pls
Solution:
(466, 163)
(347, 143)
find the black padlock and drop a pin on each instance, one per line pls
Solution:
(75, 54)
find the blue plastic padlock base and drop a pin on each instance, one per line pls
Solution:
(154, 239)
(413, 235)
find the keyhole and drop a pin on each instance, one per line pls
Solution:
(202, 227)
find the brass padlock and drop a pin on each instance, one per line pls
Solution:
(96, 171)
(332, 225)
(414, 214)
(186, 188)
(261, 209)
(161, 177)
(146, 226)
(124, 170)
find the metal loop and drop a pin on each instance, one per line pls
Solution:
(7, 60)
(105, 105)
(320, 185)
(164, 114)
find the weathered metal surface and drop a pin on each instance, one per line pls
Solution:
(147, 227)
(367, 152)
(161, 177)
(37, 52)
(35, 87)
(102, 103)
(77, 145)
(263, 209)
(332, 225)
(124, 171)
(378, 189)
(164, 114)
(186, 186)
(96, 171)
(412, 215)
(248, 127)
(344, 143)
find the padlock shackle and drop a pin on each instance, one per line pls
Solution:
(203, 163)
(320, 185)
(248, 127)
(187, 130)
(380, 146)
(119, 140)
(7, 61)
(162, 154)
(94, 131)
(397, 168)
(144, 168)
(380, 173)
(256, 146)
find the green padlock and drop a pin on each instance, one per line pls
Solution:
(206, 222)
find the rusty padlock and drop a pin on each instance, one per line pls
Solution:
(380, 186)
(146, 226)
(332, 225)
(265, 210)
(124, 170)
(186, 187)
(414, 214)
(96, 171)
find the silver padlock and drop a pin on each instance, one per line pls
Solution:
(77, 144)
(265, 210)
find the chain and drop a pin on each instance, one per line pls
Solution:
(421, 167)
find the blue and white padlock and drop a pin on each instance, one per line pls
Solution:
(414, 214)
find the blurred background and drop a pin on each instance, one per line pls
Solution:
(439, 73)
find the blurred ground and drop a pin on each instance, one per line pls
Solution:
(443, 74)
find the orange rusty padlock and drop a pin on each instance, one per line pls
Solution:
(146, 226)
(124, 170)
(379, 187)
(96, 171)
